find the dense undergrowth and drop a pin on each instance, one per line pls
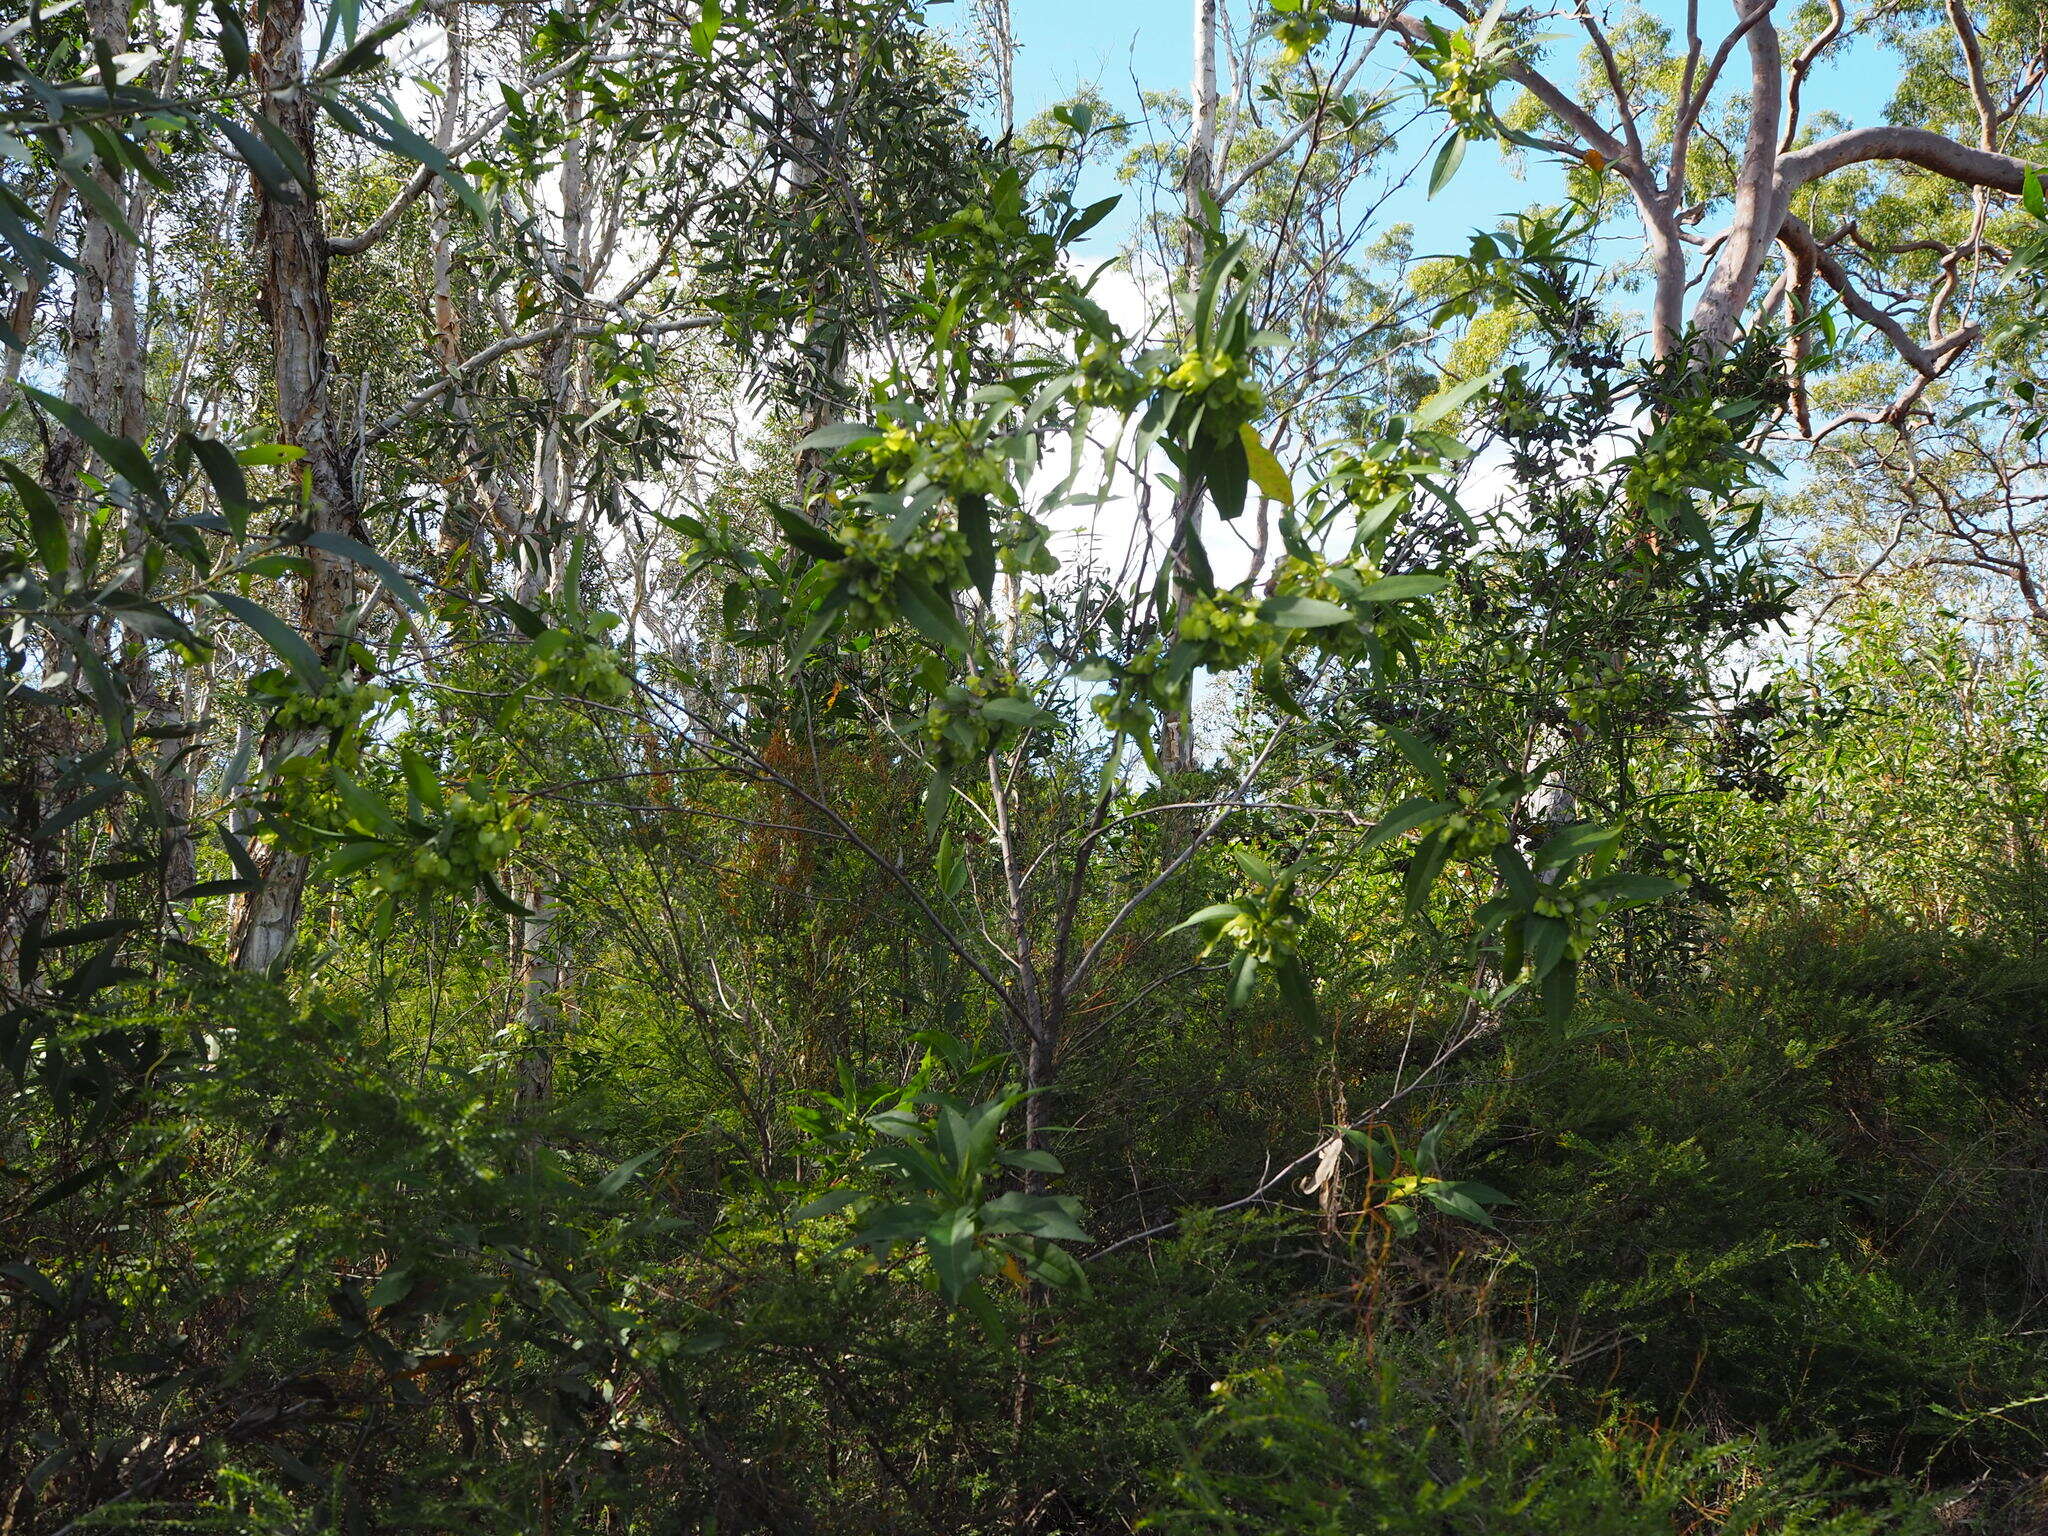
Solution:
(1773, 1260)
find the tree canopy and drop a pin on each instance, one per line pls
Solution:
(748, 785)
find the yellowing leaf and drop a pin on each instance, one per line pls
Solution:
(1595, 161)
(1267, 474)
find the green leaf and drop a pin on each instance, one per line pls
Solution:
(230, 485)
(1226, 470)
(1422, 758)
(1423, 869)
(1267, 472)
(365, 808)
(1405, 817)
(421, 780)
(1544, 939)
(955, 1260)
(352, 858)
(65, 1188)
(1442, 403)
(1244, 976)
(1561, 991)
(367, 49)
(1257, 868)
(1516, 875)
(232, 40)
(1453, 1201)
(1298, 992)
(259, 454)
(1573, 842)
(125, 458)
(805, 535)
(839, 434)
(36, 1283)
(271, 169)
(46, 523)
(1295, 611)
(88, 933)
(1054, 1217)
(1448, 159)
(930, 613)
(1014, 711)
(1426, 1148)
(84, 806)
(704, 30)
(1395, 589)
(615, 1181)
(496, 895)
(981, 546)
(1031, 1161)
(524, 619)
(289, 645)
(79, 173)
(827, 1204)
(395, 581)
(1630, 888)
(951, 872)
(2030, 195)
(1211, 914)
(238, 855)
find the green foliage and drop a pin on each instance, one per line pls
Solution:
(934, 1156)
(1420, 1435)
(711, 816)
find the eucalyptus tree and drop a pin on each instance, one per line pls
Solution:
(1905, 210)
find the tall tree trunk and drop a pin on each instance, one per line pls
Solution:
(295, 299)
(1198, 189)
(1002, 55)
(543, 971)
(102, 379)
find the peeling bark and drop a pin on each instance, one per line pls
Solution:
(295, 300)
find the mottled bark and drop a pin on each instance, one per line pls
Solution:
(296, 302)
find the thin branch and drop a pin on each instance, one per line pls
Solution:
(511, 344)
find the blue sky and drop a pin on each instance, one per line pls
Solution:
(1124, 45)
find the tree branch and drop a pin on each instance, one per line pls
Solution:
(1929, 361)
(1914, 146)
(511, 344)
(1803, 66)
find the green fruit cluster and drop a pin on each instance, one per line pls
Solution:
(1597, 696)
(1464, 82)
(1369, 480)
(1297, 34)
(583, 668)
(1267, 925)
(1145, 689)
(303, 796)
(1342, 582)
(475, 837)
(1687, 452)
(944, 454)
(962, 727)
(1473, 831)
(338, 707)
(1106, 380)
(1219, 381)
(1580, 913)
(1226, 631)
(934, 553)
